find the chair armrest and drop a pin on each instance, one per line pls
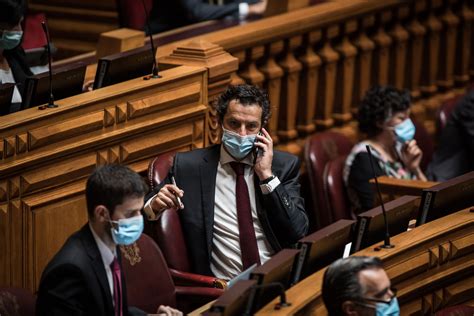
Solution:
(192, 279)
(394, 186)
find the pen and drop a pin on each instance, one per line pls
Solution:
(181, 205)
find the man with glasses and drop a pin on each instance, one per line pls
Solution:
(359, 286)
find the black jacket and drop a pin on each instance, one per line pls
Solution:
(17, 61)
(281, 212)
(166, 15)
(75, 282)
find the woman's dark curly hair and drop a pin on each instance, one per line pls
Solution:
(246, 95)
(379, 104)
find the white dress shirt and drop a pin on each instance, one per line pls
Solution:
(107, 256)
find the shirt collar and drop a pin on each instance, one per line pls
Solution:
(105, 252)
(226, 158)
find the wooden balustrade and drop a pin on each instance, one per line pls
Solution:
(317, 62)
(431, 266)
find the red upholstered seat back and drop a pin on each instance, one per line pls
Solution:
(149, 283)
(319, 149)
(132, 14)
(17, 301)
(171, 241)
(425, 142)
(444, 113)
(335, 190)
(33, 32)
(458, 310)
(167, 230)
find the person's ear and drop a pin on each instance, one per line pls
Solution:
(349, 308)
(101, 213)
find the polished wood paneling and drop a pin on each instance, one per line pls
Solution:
(431, 266)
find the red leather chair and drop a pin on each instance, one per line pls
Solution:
(335, 190)
(319, 150)
(458, 310)
(33, 32)
(168, 233)
(17, 302)
(425, 142)
(132, 14)
(149, 283)
(444, 113)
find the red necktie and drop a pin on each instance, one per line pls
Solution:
(117, 277)
(248, 241)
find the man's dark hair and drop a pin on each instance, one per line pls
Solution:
(341, 281)
(110, 184)
(246, 95)
(11, 12)
(379, 104)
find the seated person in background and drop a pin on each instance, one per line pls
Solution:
(13, 66)
(85, 277)
(455, 153)
(166, 15)
(384, 116)
(239, 208)
(358, 286)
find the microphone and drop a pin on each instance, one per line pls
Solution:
(283, 302)
(51, 97)
(386, 243)
(154, 71)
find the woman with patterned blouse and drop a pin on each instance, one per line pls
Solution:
(383, 117)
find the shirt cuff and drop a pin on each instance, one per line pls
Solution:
(243, 10)
(148, 210)
(268, 188)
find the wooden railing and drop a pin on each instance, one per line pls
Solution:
(431, 266)
(317, 63)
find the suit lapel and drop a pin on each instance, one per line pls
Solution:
(98, 267)
(208, 172)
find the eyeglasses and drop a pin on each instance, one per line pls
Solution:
(394, 295)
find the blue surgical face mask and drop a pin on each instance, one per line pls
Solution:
(391, 309)
(127, 230)
(10, 39)
(405, 131)
(238, 146)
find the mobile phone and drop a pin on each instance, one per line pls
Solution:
(257, 149)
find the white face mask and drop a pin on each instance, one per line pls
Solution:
(127, 230)
(10, 39)
(238, 146)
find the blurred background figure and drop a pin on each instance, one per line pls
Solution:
(167, 15)
(455, 153)
(384, 117)
(13, 65)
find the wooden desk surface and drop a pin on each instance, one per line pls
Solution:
(431, 265)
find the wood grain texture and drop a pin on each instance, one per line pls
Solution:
(425, 286)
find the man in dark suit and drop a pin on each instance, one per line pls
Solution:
(167, 15)
(85, 276)
(239, 207)
(359, 286)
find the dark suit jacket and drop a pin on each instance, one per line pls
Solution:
(166, 15)
(281, 212)
(75, 281)
(17, 61)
